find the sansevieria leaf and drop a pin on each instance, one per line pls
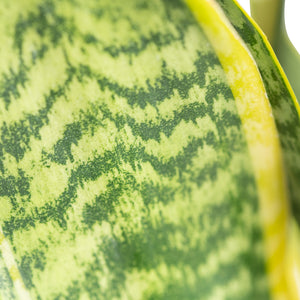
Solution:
(149, 150)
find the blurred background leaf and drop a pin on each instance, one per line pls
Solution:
(278, 19)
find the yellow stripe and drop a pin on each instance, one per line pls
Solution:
(293, 262)
(12, 267)
(261, 134)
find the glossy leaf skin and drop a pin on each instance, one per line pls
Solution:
(125, 171)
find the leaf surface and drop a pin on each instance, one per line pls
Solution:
(125, 168)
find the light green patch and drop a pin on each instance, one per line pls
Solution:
(5, 208)
(233, 288)
(7, 290)
(47, 184)
(168, 147)
(61, 269)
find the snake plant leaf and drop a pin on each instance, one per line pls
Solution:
(280, 233)
(145, 149)
(282, 99)
(284, 106)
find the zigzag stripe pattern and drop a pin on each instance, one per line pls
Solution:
(123, 161)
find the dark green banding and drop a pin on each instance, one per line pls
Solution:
(127, 174)
(9, 83)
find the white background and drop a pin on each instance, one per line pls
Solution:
(292, 19)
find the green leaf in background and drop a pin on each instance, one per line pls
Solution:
(128, 165)
(269, 15)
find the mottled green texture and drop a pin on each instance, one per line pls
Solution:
(283, 107)
(127, 176)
